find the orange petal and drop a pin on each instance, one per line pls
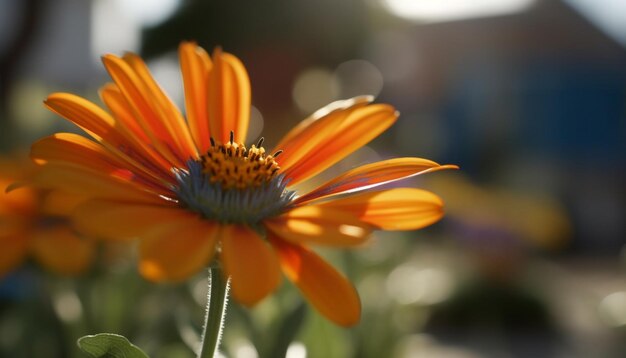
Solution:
(22, 202)
(167, 111)
(117, 220)
(141, 148)
(332, 138)
(325, 288)
(195, 65)
(117, 104)
(394, 209)
(59, 203)
(13, 251)
(58, 249)
(86, 182)
(229, 97)
(74, 150)
(85, 114)
(175, 252)
(250, 263)
(372, 175)
(93, 119)
(317, 225)
(145, 108)
(312, 132)
(302, 134)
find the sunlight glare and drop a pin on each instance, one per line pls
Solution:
(450, 10)
(296, 350)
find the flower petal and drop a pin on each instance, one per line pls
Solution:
(372, 175)
(250, 263)
(147, 111)
(59, 249)
(167, 111)
(14, 248)
(86, 182)
(113, 98)
(75, 150)
(229, 97)
(302, 134)
(59, 203)
(85, 114)
(394, 209)
(118, 220)
(95, 121)
(325, 288)
(332, 137)
(140, 142)
(175, 252)
(21, 203)
(321, 226)
(195, 65)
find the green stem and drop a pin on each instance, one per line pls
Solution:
(215, 313)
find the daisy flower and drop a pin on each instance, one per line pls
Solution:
(34, 223)
(192, 191)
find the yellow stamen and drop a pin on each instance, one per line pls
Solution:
(234, 166)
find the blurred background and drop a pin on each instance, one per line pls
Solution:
(526, 96)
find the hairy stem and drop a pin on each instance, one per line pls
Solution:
(215, 312)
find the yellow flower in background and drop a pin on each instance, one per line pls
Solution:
(34, 223)
(538, 219)
(191, 190)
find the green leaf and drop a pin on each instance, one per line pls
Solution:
(109, 345)
(288, 330)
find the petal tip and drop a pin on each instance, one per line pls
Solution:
(188, 44)
(217, 51)
(367, 98)
(350, 321)
(109, 60)
(14, 186)
(53, 97)
(108, 57)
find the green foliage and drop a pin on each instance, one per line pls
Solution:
(109, 345)
(288, 330)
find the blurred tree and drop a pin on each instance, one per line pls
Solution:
(324, 30)
(276, 40)
(30, 13)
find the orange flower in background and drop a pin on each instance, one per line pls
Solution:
(34, 222)
(192, 191)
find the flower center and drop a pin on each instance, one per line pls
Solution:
(232, 165)
(233, 184)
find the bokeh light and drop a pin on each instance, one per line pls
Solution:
(314, 88)
(448, 10)
(613, 309)
(357, 78)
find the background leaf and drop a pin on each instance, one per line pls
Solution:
(109, 345)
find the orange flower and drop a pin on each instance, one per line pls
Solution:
(190, 189)
(35, 222)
